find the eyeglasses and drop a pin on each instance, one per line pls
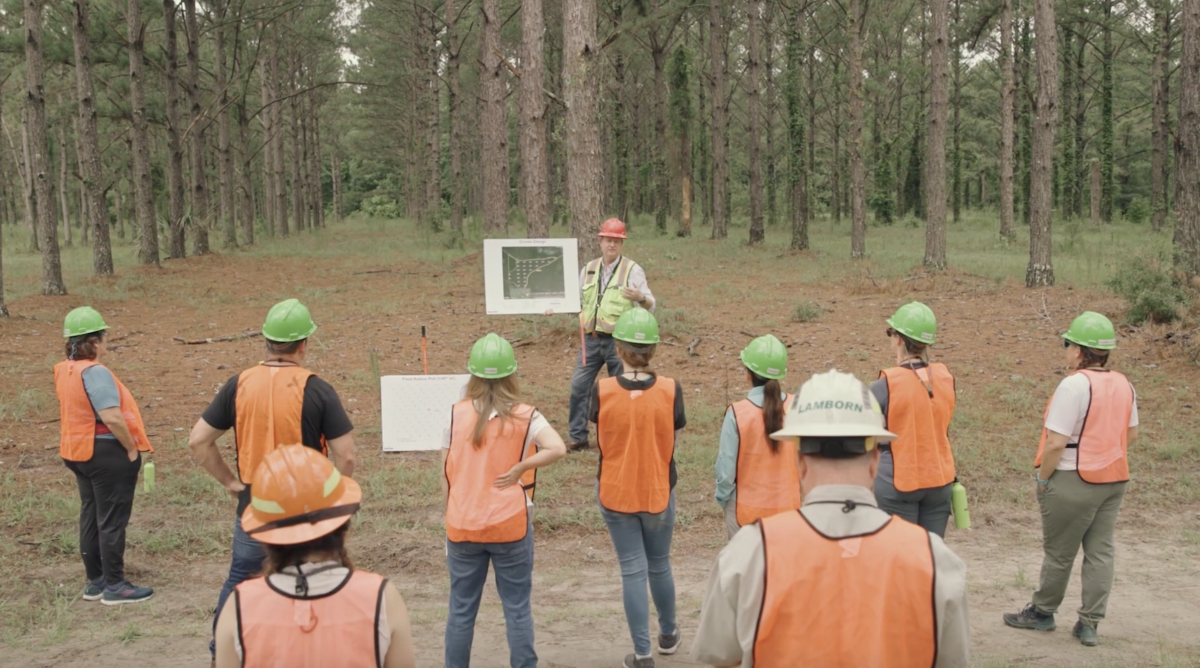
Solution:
(1066, 343)
(891, 332)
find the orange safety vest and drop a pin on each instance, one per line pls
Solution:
(767, 482)
(846, 603)
(636, 436)
(338, 629)
(1104, 442)
(269, 403)
(77, 419)
(920, 418)
(476, 511)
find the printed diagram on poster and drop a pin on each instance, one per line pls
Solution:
(531, 275)
(416, 410)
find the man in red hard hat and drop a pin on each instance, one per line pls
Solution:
(610, 285)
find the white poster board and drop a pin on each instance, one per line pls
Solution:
(416, 410)
(531, 275)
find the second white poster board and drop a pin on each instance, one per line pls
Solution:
(531, 276)
(416, 410)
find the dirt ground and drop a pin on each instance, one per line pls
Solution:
(370, 315)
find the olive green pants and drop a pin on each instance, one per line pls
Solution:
(1077, 513)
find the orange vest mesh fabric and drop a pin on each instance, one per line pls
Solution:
(269, 403)
(77, 420)
(636, 436)
(767, 483)
(921, 452)
(848, 603)
(476, 511)
(334, 630)
(1104, 442)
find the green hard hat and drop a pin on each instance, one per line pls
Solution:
(637, 325)
(83, 320)
(766, 356)
(916, 321)
(1092, 330)
(492, 357)
(288, 321)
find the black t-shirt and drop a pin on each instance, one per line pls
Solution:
(321, 415)
(639, 384)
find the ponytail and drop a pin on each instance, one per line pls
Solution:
(500, 395)
(772, 407)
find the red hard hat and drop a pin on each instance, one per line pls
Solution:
(613, 227)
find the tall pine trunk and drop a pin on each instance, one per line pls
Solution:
(956, 125)
(1007, 227)
(754, 119)
(89, 144)
(493, 122)
(454, 142)
(1159, 128)
(64, 186)
(316, 160)
(245, 178)
(1041, 270)
(858, 170)
(1187, 146)
(278, 162)
(662, 194)
(718, 39)
(935, 147)
(797, 187)
(581, 92)
(224, 151)
(1106, 115)
(39, 160)
(177, 245)
(201, 214)
(295, 133)
(534, 153)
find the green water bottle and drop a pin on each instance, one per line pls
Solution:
(962, 516)
(148, 477)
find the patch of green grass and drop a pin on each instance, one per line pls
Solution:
(806, 312)
(131, 633)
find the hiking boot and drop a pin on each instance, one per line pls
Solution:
(92, 591)
(1086, 634)
(668, 643)
(631, 661)
(1030, 618)
(578, 446)
(126, 593)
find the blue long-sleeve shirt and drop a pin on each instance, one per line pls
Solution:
(727, 454)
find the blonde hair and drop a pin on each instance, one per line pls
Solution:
(491, 394)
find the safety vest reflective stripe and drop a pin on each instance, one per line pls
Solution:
(1104, 441)
(339, 629)
(636, 436)
(848, 603)
(476, 511)
(921, 453)
(767, 482)
(77, 420)
(269, 405)
(601, 312)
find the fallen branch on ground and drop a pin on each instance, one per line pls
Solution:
(220, 339)
(692, 347)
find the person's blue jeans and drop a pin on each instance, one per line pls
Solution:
(643, 544)
(600, 351)
(468, 565)
(246, 562)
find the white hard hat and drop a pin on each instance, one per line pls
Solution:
(833, 404)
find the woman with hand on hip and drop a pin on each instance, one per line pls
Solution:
(311, 608)
(490, 464)
(638, 415)
(102, 438)
(1082, 469)
(757, 476)
(916, 470)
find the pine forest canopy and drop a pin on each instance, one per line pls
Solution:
(180, 125)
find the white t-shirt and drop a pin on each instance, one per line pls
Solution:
(537, 423)
(1068, 409)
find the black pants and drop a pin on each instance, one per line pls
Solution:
(106, 486)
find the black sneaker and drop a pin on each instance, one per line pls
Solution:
(1086, 634)
(631, 661)
(93, 592)
(668, 643)
(127, 593)
(1030, 618)
(578, 446)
